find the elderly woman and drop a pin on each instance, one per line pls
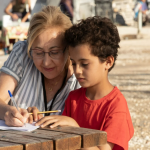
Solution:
(37, 71)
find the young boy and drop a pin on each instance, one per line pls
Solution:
(93, 48)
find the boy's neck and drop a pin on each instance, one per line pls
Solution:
(99, 91)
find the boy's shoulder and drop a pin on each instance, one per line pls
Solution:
(77, 92)
(117, 100)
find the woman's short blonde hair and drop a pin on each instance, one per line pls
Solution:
(49, 16)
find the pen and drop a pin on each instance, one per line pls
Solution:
(13, 101)
(44, 112)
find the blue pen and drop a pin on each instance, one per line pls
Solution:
(13, 100)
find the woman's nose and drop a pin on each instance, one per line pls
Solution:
(47, 59)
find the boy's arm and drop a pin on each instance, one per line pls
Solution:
(107, 146)
(57, 120)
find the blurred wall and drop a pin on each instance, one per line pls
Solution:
(3, 4)
(123, 11)
(40, 3)
(83, 9)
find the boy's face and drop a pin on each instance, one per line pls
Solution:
(88, 69)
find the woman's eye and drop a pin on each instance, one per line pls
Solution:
(54, 53)
(39, 53)
(73, 64)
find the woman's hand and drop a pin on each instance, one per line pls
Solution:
(35, 117)
(56, 120)
(15, 118)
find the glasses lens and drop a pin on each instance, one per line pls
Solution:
(37, 54)
(56, 54)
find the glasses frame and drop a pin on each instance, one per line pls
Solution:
(49, 53)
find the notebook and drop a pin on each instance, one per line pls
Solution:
(27, 127)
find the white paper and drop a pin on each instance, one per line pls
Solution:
(27, 127)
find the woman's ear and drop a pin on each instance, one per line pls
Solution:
(109, 62)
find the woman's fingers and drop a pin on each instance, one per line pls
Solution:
(34, 117)
(25, 114)
(16, 114)
(30, 119)
(13, 117)
(29, 109)
(35, 113)
(40, 116)
(15, 122)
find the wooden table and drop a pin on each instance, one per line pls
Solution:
(60, 138)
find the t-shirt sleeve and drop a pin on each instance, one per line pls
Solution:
(118, 126)
(14, 64)
(67, 109)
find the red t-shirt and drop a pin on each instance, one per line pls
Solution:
(110, 114)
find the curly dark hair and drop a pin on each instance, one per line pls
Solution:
(101, 35)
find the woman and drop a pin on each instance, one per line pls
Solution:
(43, 79)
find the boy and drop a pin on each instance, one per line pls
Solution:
(93, 47)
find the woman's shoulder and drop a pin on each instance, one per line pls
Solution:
(18, 61)
(20, 44)
(73, 83)
(20, 48)
(20, 52)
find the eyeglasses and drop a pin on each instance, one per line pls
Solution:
(39, 54)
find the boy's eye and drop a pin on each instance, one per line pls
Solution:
(84, 65)
(73, 64)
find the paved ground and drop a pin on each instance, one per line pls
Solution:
(132, 76)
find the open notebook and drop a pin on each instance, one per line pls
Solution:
(28, 127)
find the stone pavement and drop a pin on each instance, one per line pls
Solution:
(128, 32)
(132, 76)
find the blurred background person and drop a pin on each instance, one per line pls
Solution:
(18, 9)
(67, 7)
(142, 6)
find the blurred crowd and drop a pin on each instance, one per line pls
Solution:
(120, 11)
(15, 14)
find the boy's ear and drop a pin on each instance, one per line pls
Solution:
(109, 62)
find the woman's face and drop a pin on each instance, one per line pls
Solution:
(51, 40)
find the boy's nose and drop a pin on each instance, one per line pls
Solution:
(77, 70)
